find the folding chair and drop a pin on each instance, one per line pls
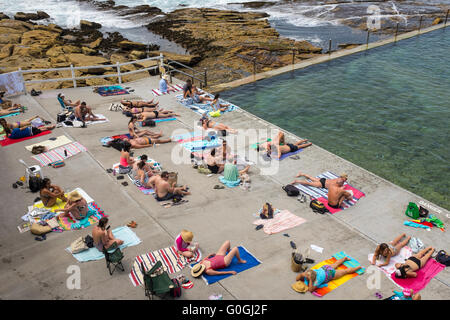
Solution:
(63, 106)
(156, 283)
(113, 260)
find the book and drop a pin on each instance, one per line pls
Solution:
(24, 227)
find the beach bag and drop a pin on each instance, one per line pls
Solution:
(412, 211)
(34, 183)
(291, 190)
(61, 117)
(116, 144)
(148, 123)
(269, 212)
(297, 262)
(318, 207)
(124, 170)
(38, 149)
(78, 245)
(58, 164)
(38, 229)
(443, 257)
(175, 292)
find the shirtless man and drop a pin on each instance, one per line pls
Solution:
(165, 191)
(139, 103)
(84, 113)
(319, 183)
(137, 133)
(337, 194)
(155, 114)
(144, 142)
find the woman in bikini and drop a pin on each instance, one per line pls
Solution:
(137, 133)
(414, 263)
(126, 161)
(23, 131)
(49, 193)
(221, 259)
(11, 110)
(317, 277)
(389, 250)
(139, 104)
(209, 124)
(25, 123)
(219, 106)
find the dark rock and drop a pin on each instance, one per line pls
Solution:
(3, 16)
(89, 25)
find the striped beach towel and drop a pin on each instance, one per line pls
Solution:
(176, 87)
(171, 261)
(321, 194)
(281, 221)
(58, 154)
(201, 108)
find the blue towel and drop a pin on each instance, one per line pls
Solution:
(10, 115)
(228, 183)
(123, 233)
(415, 225)
(352, 263)
(234, 266)
(201, 144)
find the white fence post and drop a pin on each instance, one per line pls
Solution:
(23, 82)
(118, 72)
(73, 76)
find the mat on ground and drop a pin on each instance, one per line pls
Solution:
(59, 154)
(172, 262)
(176, 87)
(51, 144)
(281, 221)
(100, 116)
(333, 284)
(321, 194)
(123, 233)
(7, 141)
(424, 276)
(111, 91)
(251, 261)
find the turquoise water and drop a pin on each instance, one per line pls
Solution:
(386, 110)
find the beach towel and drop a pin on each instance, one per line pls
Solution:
(158, 120)
(123, 233)
(333, 284)
(284, 220)
(172, 262)
(416, 225)
(104, 141)
(197, 145)
(10, 115)
(424, 276)
(51, 144)
(401, 257)
(251, 262)
(7, 141)
(176, 87)
(111, 91)
(59, 154)
(201, 108)
(60, 204)
(284, 155)
(101, 116)
(321, 194)
(137, 183)
(94, 215)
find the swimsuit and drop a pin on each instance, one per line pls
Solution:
(156, 113)
(322, 181)
(292, 147)
(168, 196)
(336, 206)
(217, 262)
(214, 169)
(415, 260)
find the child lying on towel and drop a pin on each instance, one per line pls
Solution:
(316, 278)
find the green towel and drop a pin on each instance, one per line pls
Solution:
(230, 172)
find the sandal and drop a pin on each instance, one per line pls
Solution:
(218, 187)
(120, 177)
(293, 245)
(259, 226)
(109, 170)
(125, 183)
(132, 224)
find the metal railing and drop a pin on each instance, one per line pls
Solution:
(193, 76)
(74, 78)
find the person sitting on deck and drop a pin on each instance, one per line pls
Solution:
(414, 263)
(23, 131)
(232, 176)
(66, 103)
(164, 191)
(49, 193)
(214, 163)
(144, 142)
(103, 237)
(389, 250)
(318, 277)
(7, 104)
(76, 206)
(219, 106)
(219, 260)
(146, 167)
(126, 161)
(209, 124)
(319, 183)
(183, 244)
(337, 194)
(164, 84)
(137, 133)
(84, 113)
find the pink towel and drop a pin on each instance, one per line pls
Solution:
(281, 221)
(424, 275)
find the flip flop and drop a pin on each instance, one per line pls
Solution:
(120, 177)
(14, 186)
(218, 187)
(293, 245)
(286, 235)
(125, 183)
(259, 226)
(109, 170)
(19, 183)
(38, 239)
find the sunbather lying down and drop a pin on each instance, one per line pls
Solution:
(144, 142)
(316, 278)
(11, 110)
(279, 144)
(209, 124)
(155, 114)
(413, 264)
(389, 250)
(139, 103)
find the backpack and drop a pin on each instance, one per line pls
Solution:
(38, 149)
(318, 207)
(443, 257)
(175, 292)
(148, 123)
(35, 183)
(291, 190)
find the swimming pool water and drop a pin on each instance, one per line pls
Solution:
(386, 110)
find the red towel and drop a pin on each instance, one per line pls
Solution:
(8, 141)
(424, 275)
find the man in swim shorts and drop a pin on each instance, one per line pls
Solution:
(319, 183)
(164, 191)
(144, 142)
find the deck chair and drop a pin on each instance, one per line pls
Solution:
(113, 260)
(63, 106)
(156, 283)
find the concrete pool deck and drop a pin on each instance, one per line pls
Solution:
(38, 270)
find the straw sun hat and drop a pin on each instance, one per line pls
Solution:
(197, 270)
(166, 77)
(74, 196)
(187, 236)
